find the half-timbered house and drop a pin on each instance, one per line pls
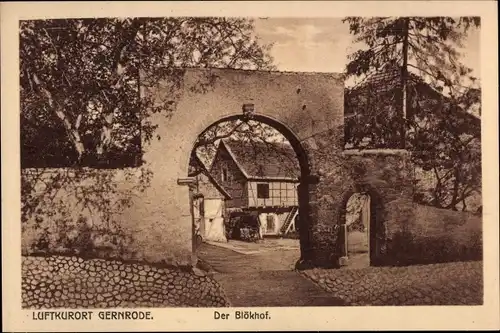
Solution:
(261, 178)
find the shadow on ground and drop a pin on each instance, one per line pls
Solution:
(268, 278)
(263, 279)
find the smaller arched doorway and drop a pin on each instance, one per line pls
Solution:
(358, 229)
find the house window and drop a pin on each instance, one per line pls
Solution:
(263, 191)
(224, 174)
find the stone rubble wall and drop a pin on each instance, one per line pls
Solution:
(412, 285)
(387, 176)
(72, 282)
(403, 232)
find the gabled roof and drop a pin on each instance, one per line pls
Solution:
(196, 166)
(389, 78)
(263, 160)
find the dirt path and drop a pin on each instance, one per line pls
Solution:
(225, 260)
(273, 288)
(261, 279)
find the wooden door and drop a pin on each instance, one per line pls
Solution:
(199, 225)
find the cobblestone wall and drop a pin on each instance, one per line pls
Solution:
(439, 284)
(71, 282)
(386, 176)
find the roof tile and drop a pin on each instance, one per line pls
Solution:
(265, 159)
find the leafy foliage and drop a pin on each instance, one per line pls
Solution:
(262, 140)
(428, 45)
(415, 93)
(73, 211)
(81, 107)
(80, 99)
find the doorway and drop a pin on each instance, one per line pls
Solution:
(357, 230)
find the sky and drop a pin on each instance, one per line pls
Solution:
(322, 44)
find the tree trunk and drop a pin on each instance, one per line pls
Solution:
(72, 131)
(454, 198)
(464, 205)
(404, 81)
(435, 193)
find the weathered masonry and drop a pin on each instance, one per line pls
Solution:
(308, 109)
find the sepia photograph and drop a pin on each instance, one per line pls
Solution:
(170, 162)
(249, 162)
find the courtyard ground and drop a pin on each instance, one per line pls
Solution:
(262, 278)
(262, 274)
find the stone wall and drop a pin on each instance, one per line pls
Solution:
(308, 109)
(90, 212)
(386, 175)
(437, 235)
(301, 105)
(80, 211)
(71, 282)
(402, 232)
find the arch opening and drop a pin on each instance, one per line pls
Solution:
(249, 190)
(360, 221)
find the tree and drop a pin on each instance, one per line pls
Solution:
(80, 78)
(447, 144)
(81, 106)
(262, 142)
(416, 94)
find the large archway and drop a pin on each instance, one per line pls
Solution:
(308, 109)
(232, 201)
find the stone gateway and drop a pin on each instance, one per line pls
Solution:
(308, 108)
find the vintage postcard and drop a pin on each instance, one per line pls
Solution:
(249, 166)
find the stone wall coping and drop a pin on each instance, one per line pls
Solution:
(336, 75)
(375, 152)
(69, 169)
